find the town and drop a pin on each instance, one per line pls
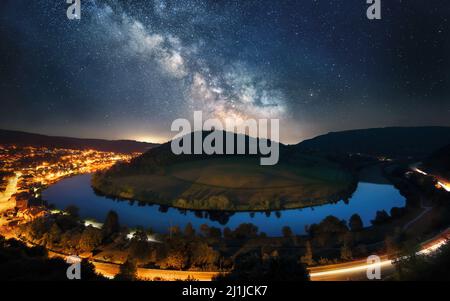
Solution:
(26, 171)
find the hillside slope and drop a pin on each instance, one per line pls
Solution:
(227, 182)
(28, 139)
(393, 141)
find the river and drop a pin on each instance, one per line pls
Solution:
(366, 201)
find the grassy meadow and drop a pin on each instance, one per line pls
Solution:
(232, 183)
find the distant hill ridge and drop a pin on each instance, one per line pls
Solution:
(29, 139)
(391, 141)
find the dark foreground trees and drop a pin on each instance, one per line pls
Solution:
(433, 267)
(21, 263)
(329, 231)
(251, 267)
(111, 225)
(355, 223)
(128, 271)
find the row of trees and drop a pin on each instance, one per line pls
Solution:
(185, 248)
(67, 233)
(181, 249)
(243, 231)
(251, 266)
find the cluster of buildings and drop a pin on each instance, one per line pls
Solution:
(37, 167)
(44, 166)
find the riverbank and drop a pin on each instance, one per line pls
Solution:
(245, 239)
(366, 201)
(233, 184)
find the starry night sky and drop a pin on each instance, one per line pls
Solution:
(127, 69)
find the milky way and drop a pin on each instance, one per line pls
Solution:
(126, 69)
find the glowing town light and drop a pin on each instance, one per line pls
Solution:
(150, 238)
(93, 223)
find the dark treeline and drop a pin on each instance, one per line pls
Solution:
(19, 262)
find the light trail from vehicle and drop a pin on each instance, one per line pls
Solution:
(445, 186)
(360, 266)
(441, 183)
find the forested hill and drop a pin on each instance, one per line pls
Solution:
(391, 141)
(163, 156)
(28, 139)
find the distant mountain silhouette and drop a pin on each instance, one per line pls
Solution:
(28, 139)
(391, 141)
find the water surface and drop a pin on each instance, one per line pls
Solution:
(366, 201)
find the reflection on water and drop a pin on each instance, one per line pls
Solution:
(366, 201)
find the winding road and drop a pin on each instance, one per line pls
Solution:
(357, 270)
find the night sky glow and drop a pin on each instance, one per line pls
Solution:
(127, 69)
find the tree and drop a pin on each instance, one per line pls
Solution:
(70, 240)
(308, 257)
(381, 217)
(215, 232)
(245, 230)
(174, 230)
(139, 246)
(287, 232)
(329, 230)
(21, 263)
(355, 223)
(391, 245)
(55, 234)
(140, 234)
(176, 258)
(127, 271)
(90, 239)
(88, 271)
(111, 225)
(37, 228)
(204, 228)
(346, 252)
(189, 230)
(73, 211)
(250, 267)
(397, 212)
(67, 222)
(203, 256)
(227, 233)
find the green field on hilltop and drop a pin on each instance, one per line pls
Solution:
(231, 183)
